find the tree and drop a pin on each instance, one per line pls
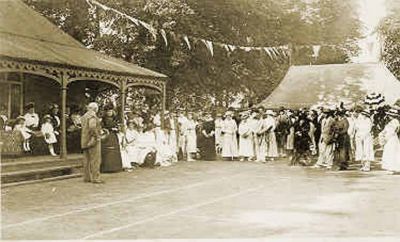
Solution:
(389, 30)
(197, 78)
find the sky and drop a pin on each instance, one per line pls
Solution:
(371, 13)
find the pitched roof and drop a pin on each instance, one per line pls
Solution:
(26, 35)
(307, 86)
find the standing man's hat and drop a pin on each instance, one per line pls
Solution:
(47, 117)
(366, 113)
(30, 105)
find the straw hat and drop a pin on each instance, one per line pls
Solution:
(229, 113)
(270, 112)
(393, 112)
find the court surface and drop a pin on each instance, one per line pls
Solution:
(197, 200)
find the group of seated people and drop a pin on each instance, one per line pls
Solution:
(134, 143)
(37, 134)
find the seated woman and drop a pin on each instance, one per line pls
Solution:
(146, 146)
(128, 143)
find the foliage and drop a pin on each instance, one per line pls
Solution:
(389, 30)
(198, 80)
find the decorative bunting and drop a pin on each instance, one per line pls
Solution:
(209, 46)
(186, 39)
(272, 52)
(232, 47)
(164, 35)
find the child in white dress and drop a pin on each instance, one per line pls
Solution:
(49, 134)
(26, 133)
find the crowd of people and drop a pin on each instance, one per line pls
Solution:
(323, 137)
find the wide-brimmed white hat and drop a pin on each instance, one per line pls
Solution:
(229, 113)
(393, 112)
(270, 112)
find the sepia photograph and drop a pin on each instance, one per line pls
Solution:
(188, 120)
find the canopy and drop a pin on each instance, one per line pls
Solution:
(328, 85)
(26, 35)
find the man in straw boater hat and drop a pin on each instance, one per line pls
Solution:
(391, 143)
(364, 142)
(90, 143)
(229, 130)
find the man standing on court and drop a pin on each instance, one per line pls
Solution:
(90, 143)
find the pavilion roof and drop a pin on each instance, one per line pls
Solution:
(25, 35)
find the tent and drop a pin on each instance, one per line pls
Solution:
(328, 85)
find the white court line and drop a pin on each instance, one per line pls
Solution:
(174, 212)
(117, 202)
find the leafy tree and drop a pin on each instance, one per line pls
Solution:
(389, 30)
(197, 79)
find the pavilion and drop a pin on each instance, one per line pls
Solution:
(31, 47)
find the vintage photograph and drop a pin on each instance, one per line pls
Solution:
(273, 120)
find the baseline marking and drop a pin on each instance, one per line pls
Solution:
(174, 212)
(117, 202)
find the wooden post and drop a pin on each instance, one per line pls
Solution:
(63, 147)
(164, 100)
(123, 100)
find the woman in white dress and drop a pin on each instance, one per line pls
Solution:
(189, 130)
(131, 138)
(246, 147)
(390, 140)
(25, 132)
(229, 143)
(49, 133)
(364, 143)
(272, 145)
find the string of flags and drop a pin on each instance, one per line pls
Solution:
(274, 52)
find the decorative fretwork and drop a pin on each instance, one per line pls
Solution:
(75, 74)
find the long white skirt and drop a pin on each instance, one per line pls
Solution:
(191, 142)
(229, 146)
(364, 148)
(272, 145)
(246, 147)
(391, 154)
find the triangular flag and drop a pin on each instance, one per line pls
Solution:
(266, 49)
(226, 47)
(247, 49)
(164, 35)
(186, 39)
(232, 47)
(316, 49)
(209, 46)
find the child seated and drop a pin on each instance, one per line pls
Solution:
(49, 133)
(26, 133)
